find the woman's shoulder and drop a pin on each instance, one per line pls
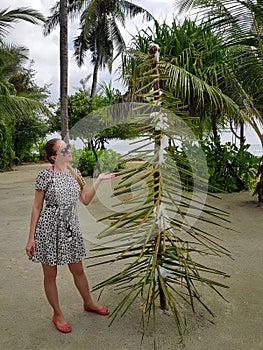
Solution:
(46, 171)
(43, 178)
(44, 174)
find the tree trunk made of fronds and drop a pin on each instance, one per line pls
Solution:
(154, 52)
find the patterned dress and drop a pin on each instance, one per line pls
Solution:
(58, 238)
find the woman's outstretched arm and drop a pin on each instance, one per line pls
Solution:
(87, 195)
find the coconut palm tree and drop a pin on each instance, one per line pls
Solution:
(10, 58)
(99, 33)
(240, 25)
(12, 104)
(63, 20)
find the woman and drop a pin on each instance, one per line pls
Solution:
(54, 236)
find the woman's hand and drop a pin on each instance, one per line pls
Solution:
(30, 247)
(86, 196)
(106, 176)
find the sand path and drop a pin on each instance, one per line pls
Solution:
(26, 316)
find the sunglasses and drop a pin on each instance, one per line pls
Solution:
(65, 150)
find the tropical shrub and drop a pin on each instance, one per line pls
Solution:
(230, 168)
(38, 151)
(108, 160)
(29, 130)
(6, 146)
(87, 162)
(188, 162)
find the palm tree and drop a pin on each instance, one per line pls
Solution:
(240, 25)
(99, 33)
(64, 69)
(12, 104)
(100, 46)
(157, 245)
(10, 58)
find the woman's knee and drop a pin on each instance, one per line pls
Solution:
(76, 269)
(50, 272)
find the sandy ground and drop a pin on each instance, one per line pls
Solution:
(26, 316)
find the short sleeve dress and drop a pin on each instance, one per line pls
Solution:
(58, 237)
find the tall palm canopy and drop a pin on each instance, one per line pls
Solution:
(240, 24)
(99, 31)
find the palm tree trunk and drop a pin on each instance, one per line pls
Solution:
(242, 134)
(214, 124)
(95, 74)
(64, 70)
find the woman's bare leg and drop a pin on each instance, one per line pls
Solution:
(81, 282)
(50, 274)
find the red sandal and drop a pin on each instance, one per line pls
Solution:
(63, 329)
(102, 311)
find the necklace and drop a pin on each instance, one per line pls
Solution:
(59, 170)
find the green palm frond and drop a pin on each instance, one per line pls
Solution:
(214, 82)
(52, 21)
(11, 105)
(188, 84)
(132, 10)
(9, 17)
(11, 58)
(238, 22)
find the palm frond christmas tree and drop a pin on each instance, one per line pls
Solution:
(155, 228)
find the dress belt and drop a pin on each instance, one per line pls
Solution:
(67, 214)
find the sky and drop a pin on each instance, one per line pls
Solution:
(44, 51)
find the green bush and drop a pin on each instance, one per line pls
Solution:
(7, 154)
(108, 161)
(76, 154)
(230, 168)
(190, 164)
(29, 130)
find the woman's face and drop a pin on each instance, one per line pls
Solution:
(63, 151)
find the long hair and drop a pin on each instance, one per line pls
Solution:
(50, 151)
(77, 177)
